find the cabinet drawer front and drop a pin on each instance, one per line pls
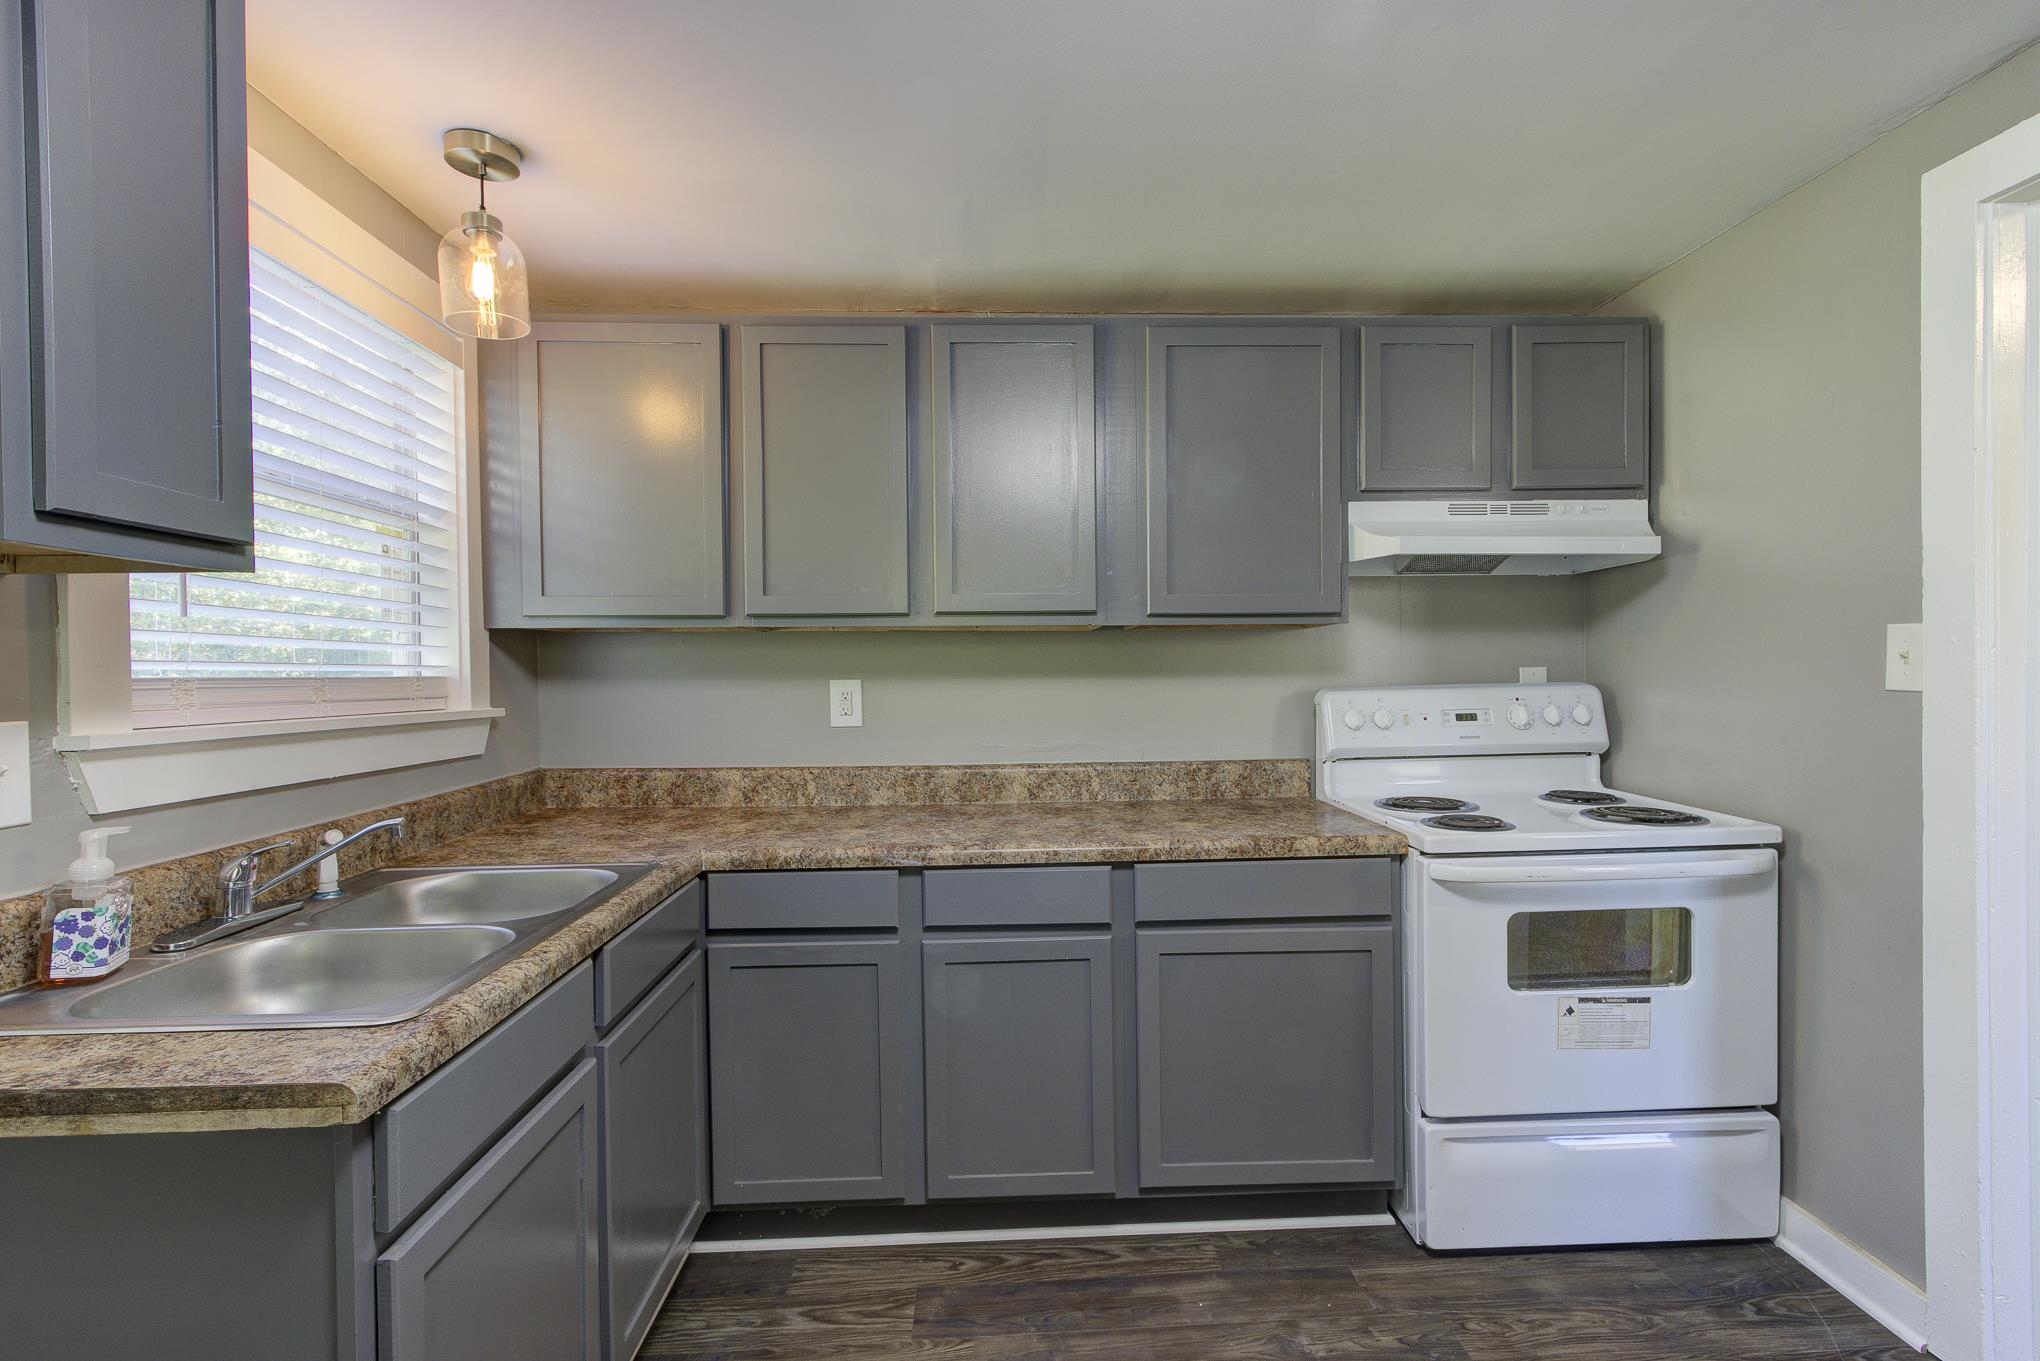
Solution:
(1028, 895)
(505, 1264)
(432, 1131)
(654, 1151)
(1247, 890)
(1020, 1066)
(808, 1053)
(805, 900)
(1268, 1055)
(641, 954)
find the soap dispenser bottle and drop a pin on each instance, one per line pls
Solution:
(87, 920)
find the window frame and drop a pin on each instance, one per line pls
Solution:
(118, 766)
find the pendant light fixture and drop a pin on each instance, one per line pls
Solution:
(483, 291)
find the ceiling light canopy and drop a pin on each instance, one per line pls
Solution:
(483, 289)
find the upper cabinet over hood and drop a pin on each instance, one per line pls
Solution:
(1497, 447)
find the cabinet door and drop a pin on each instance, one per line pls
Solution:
(1267, 1055)
(1016, 470)
(1019, 1064)
(1427, 398)
(139, 348)
(505, 1263)
(808, 1055)
(654, 1069)
(1580, 411)
(825, 470)
(620, 470)
(1243, 509)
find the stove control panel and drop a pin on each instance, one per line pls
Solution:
(1438, 720)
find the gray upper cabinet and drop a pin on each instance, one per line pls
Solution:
(1244, 515)
(808, 1057)
(505, 1263)
(1580, 410)
(824, 444)
(1267, 1055)
(1427, 408)
(1015, 498)
(620, 470)
(1019, 1064)
(125, 425)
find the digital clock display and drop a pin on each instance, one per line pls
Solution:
(1465, 717)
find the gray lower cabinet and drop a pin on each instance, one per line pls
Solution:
(808, 1055)
(1019, 1056)
(505, 1265)
(1267, 1055)
(824, 451)
(125, 409)
(1244, 513)
(620, 470)
(1015, 496)
(1427, 408)
(1580, 408)
(654, 1084)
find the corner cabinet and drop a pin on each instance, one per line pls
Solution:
(1244, 515)
(1580, 407)
(125, 425)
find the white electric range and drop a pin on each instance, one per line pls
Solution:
(1590, 976)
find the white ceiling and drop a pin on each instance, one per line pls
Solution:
(1114, 154)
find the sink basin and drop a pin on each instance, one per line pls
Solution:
(333, 976)
(399, 941)
(468, 896)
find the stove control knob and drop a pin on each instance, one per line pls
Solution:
(1383, 719)
(1351, 720)
(1553, 715)
(1581, 714)
(1519, 716)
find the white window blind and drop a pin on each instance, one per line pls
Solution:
(352, 606)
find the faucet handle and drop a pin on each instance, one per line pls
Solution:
(242, 867)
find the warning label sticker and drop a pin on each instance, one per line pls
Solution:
(1604, 1023)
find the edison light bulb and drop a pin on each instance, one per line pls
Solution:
(482, 287)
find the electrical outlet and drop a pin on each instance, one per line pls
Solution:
(1531, 675)
(13, 774)
(1902, 645)
(846, 703)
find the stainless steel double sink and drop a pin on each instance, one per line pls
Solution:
(399, 941)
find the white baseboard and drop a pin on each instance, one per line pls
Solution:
(1858, 1277)
(1045, 1234)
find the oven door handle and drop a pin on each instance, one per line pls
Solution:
(1725, 867)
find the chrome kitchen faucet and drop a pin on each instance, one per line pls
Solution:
(238, 890)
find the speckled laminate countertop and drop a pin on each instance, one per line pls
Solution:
(99, 1083)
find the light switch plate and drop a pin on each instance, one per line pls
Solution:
(14, 810)
(1532, 675)
(846, 703)
(1902, 644)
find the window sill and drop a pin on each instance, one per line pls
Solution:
(118, 771)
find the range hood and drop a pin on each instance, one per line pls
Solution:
(1464, 538)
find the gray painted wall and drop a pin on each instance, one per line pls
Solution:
(1748, 660)
(288, 144)
(653, 699)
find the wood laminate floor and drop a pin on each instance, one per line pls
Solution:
(1259, 1297)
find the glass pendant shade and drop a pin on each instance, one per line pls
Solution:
(483, 291)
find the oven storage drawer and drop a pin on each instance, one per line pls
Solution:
(1596, 1179)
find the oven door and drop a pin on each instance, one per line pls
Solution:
(1551, 984)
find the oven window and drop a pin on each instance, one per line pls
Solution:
(1637, 947)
